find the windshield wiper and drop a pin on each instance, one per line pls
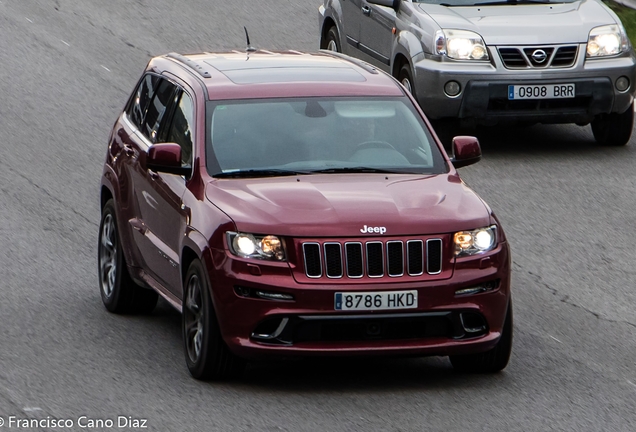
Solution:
(513, 2)
(257, 173)
(360, 169)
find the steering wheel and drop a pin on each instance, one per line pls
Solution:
(374, 144)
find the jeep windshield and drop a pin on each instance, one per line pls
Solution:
(305, 136)
(451, 3)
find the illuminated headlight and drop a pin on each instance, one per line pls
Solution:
(475, 241)
(267, 247)
(460, 45)
(607, 40)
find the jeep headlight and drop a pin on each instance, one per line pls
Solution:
(607, 40)
(267, 247)
(460, 45)
(475, 241)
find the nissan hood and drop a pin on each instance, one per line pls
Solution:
(334, 205)
(522, 24)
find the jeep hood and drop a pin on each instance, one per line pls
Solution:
(334, 205)
(524, 24)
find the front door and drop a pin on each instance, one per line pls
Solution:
(352, 16)
(159, 218)
(376, 34)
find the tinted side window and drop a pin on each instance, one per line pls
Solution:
(139, 104)
(157, 109)
(182, 128)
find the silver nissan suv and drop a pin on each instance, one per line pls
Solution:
(493, 61)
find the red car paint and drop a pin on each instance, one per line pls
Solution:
(165, 220)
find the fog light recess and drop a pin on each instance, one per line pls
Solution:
(472, 322)
(622, 84)
(452, 88)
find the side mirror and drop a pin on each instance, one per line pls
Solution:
(166, 158)
(466, 151)
(393, 4)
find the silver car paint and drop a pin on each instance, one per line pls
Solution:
(511, 25)
(524, 24)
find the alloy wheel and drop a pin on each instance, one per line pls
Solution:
(193, 318)
(331, 46)
(406, 82)
(108, 255)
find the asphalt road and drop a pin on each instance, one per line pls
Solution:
(66, 69)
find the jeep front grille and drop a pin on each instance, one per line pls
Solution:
(373, 259)
(522, 57)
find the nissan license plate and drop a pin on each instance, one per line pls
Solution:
(377, 300)
(545, 91)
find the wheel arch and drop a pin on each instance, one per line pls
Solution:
(188, 255)
(407, 48)
(328, 23)
(104, 196)
(399, 61)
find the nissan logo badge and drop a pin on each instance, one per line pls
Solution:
(539, 56)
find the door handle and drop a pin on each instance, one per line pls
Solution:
(129, 150)
(366, 10)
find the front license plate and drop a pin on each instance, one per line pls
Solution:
(382, 300)
(546, 91)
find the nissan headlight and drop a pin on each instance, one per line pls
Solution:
(460, 45)
(476, 241)
(266, 247)
(607, 40)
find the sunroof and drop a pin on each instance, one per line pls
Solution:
(232, 62)
(294, 74)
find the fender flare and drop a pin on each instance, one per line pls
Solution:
(333, 13)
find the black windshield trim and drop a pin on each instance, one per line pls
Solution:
(256, 173)
(446, 3)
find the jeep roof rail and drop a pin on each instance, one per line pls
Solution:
(364, 65)
(190, 63)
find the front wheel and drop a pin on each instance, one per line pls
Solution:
(207, 355)
(120, 294)
(332, 41)
(492, 360)
(614, 129)
(406, 79)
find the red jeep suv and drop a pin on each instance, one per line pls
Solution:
(294, 204)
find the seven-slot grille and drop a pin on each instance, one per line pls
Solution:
(522, 57)
(374, 259)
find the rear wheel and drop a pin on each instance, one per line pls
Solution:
(614, 129)
(207, 355)
(332, 41)
(492, 360)
(120, 294)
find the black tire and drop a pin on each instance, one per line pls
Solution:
(332, 40)
(119, 292)
(207, 355)
(614, 129)
(493, 360)
(406, 79)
